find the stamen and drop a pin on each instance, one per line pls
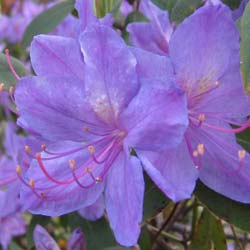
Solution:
(27, 149)
(91, 149)
(202, 117)
(195, 153)
(32, 183)
(217, 83)
(241, 154)
(98, 179)
(72, 164)
(1, 86)
(11, 94)
(86, 129)
(43, 147)
(7, 53)
(200, 149)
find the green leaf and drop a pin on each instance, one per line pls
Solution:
(233, 4)
(243, 139)
(165, 4)
(209, 232)
(36, 219)
(103, 7)
(47, 21)
(231, 211)
(154, 199)
(6, 75)
(184, 8)
(98, 233)
(245, 48)
(135, 16)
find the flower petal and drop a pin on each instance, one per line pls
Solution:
(55, 190)
(55, 108)
(172, 171)
(153, 35)
(221, 168)
(124, 199)
(77, 240)
(207, 52)
(93, 212)
(156, 118)
(110, 76)
(153, 66)
(42, 239)
(55, 55)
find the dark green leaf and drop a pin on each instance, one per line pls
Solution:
(154, 199)
(47, 21)
(234, 212)
(184, 8)
(165, 4)
(6, 75)
(135, 16)
(209, 232)
(243, 139)
(36, 219)
(245, 48)
(233, 4)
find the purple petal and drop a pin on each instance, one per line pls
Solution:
(208, 57)
(55, 108)
(93, 212)
(42, 240)
(124, 199)
(77, 240)
(55, 55)
(152, 66)
(106, 56)
(156, 118)
(154, 35)
(85, 11)
(221, 168)
(56, 189)
(11, 226)
(172, 171)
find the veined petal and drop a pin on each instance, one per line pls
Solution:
(110, 77)
(225, 166)
(152, 66)
(77, 240)
(42, 239)
(207, 52)
(54, 187)
(156, 118)
(56, 108)
(124, 198)
(94, 211)
(155, 34)
(55, 55)
(173, 171)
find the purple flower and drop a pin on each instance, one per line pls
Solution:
(204, 51)
(154, 35)
(12, 223)
(96, 111)
(126, 8)
(43, 241)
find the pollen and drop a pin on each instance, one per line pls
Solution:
(43, 195)
(1, 86)
(27, 149)
(202, 117)
(72, 164)
(18, 169)
(91, 149)
(200, 149)
(62, 243)
(88, 169)
(43, 147)
(98, 179)
(217, 83)
(32, 183)
(241, 154)
(195, 153)
(86, 129)
(11, 90)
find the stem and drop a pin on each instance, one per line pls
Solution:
(235, 237)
